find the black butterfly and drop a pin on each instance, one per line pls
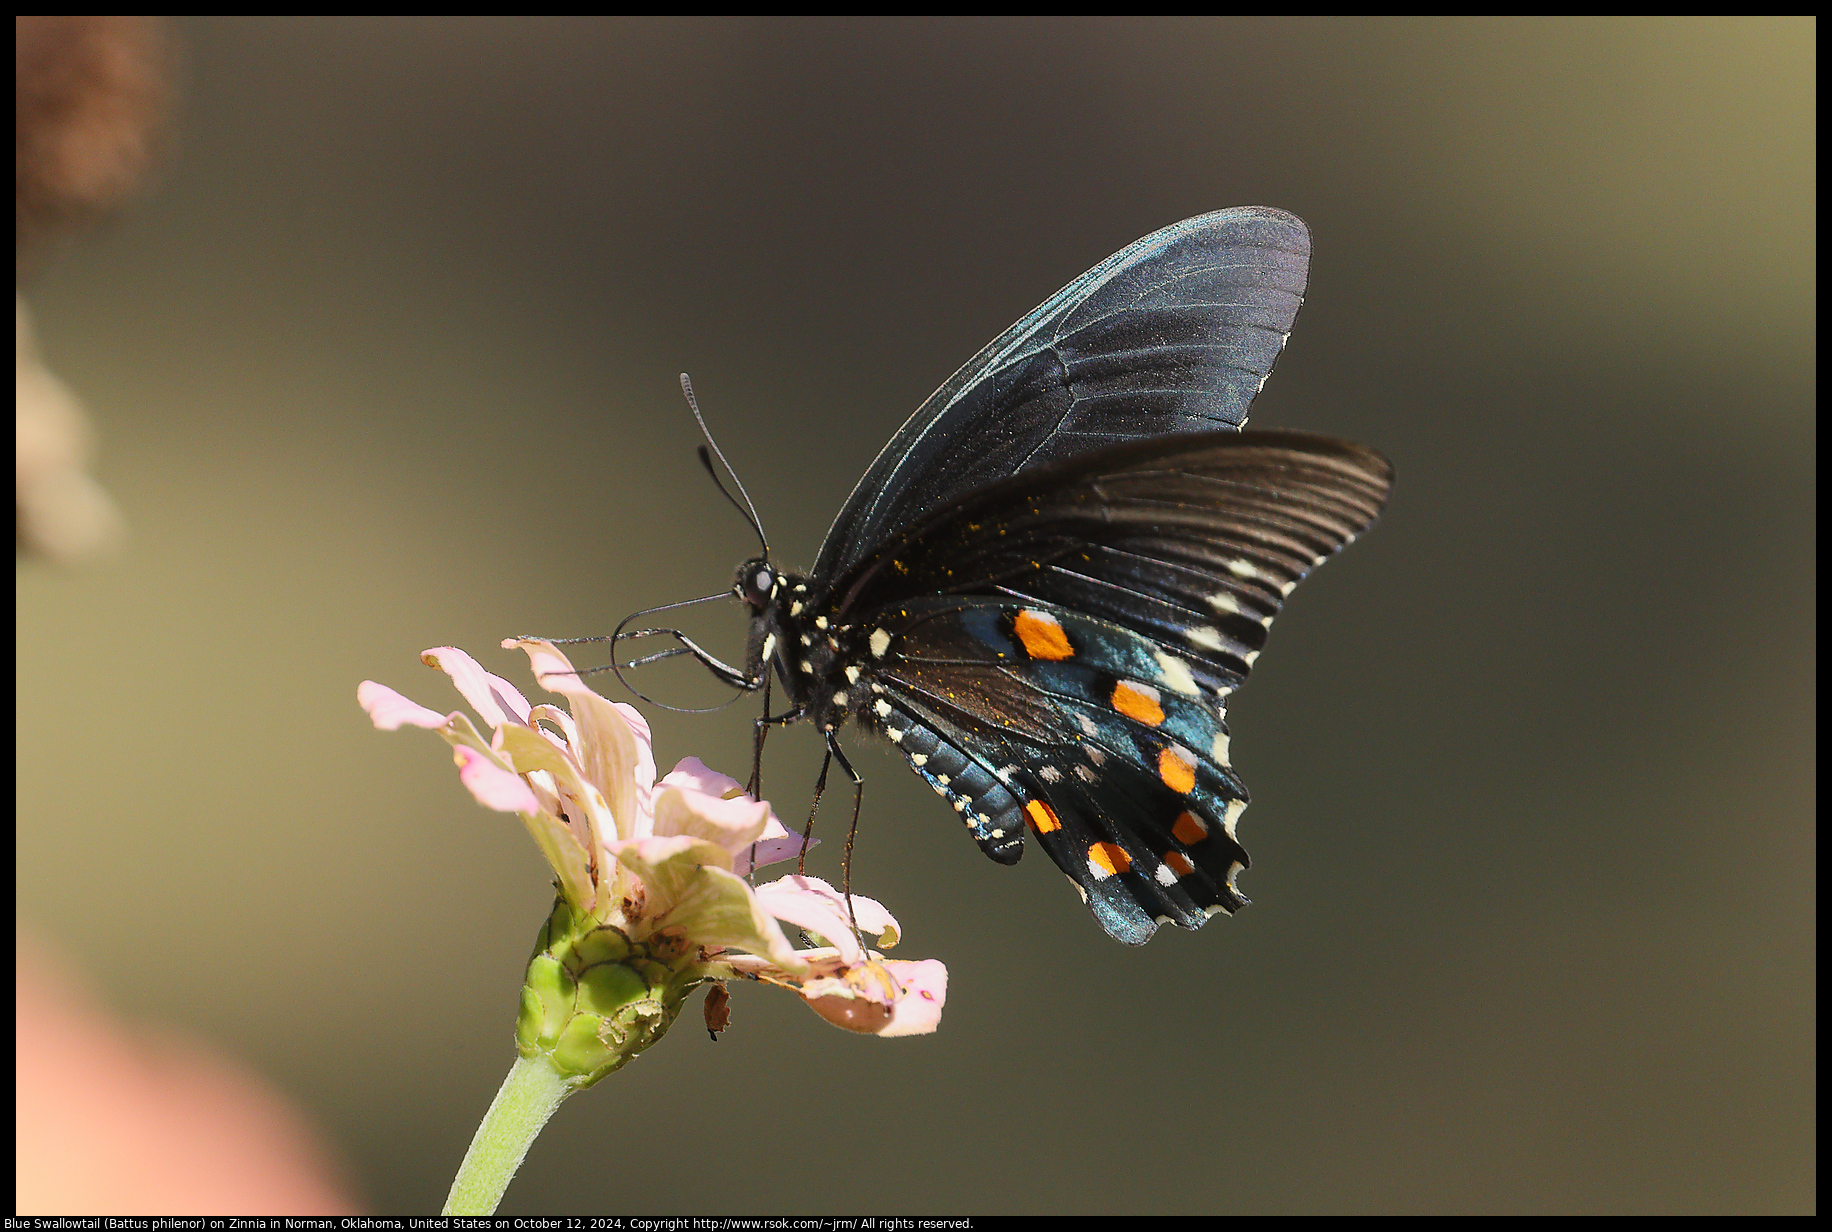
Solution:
(1052, 578)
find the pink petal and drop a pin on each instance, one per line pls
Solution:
(496, 701)
(692, 773)
(925, 991)
(768, 849)
(873, 920)
(810, 903)
(389, 710)
(730, 823)
(613, 743)
(493, 786)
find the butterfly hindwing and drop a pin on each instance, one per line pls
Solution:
(1067, 644)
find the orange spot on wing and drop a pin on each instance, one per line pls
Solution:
(1178, 863)
(1108, 859)
(1178, 773)
(1043, 818)
(1136, 703)
(1042, 636)
(1189, 829)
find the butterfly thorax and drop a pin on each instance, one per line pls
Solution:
(823, 665)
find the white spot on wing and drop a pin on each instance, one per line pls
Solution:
(1204, 635)
(1228, 818)
(1224, 601)
(1174, 674)
(880, 642)
(1218, 752)
(1242, 569)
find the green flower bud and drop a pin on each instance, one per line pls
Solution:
(593, 998)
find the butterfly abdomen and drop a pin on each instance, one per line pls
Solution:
(992, 812)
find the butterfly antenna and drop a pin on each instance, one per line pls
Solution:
(748, 509)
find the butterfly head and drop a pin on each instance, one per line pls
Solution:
(757, 583)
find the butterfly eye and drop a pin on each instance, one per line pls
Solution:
(755, 582)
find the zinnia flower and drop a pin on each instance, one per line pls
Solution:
(653, 899)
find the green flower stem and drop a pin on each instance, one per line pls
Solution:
(529, 1096)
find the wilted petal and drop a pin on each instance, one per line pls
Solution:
(925, 992)
(882, 997)
(389, 710)
(494, 787)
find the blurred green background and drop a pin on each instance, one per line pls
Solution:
(387, 360)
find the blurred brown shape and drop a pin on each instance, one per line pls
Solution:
(118, 1118)
(91, 96)
(91, 92)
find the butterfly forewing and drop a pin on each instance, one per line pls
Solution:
(1175, 333)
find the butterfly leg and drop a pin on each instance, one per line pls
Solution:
(764, 722)
(835, 753)
(726, 673)
(755, 787)
(858, 800)
(820, 788)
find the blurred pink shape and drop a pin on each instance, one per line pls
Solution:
(119, 1118)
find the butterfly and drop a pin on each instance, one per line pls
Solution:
(1048, 585)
